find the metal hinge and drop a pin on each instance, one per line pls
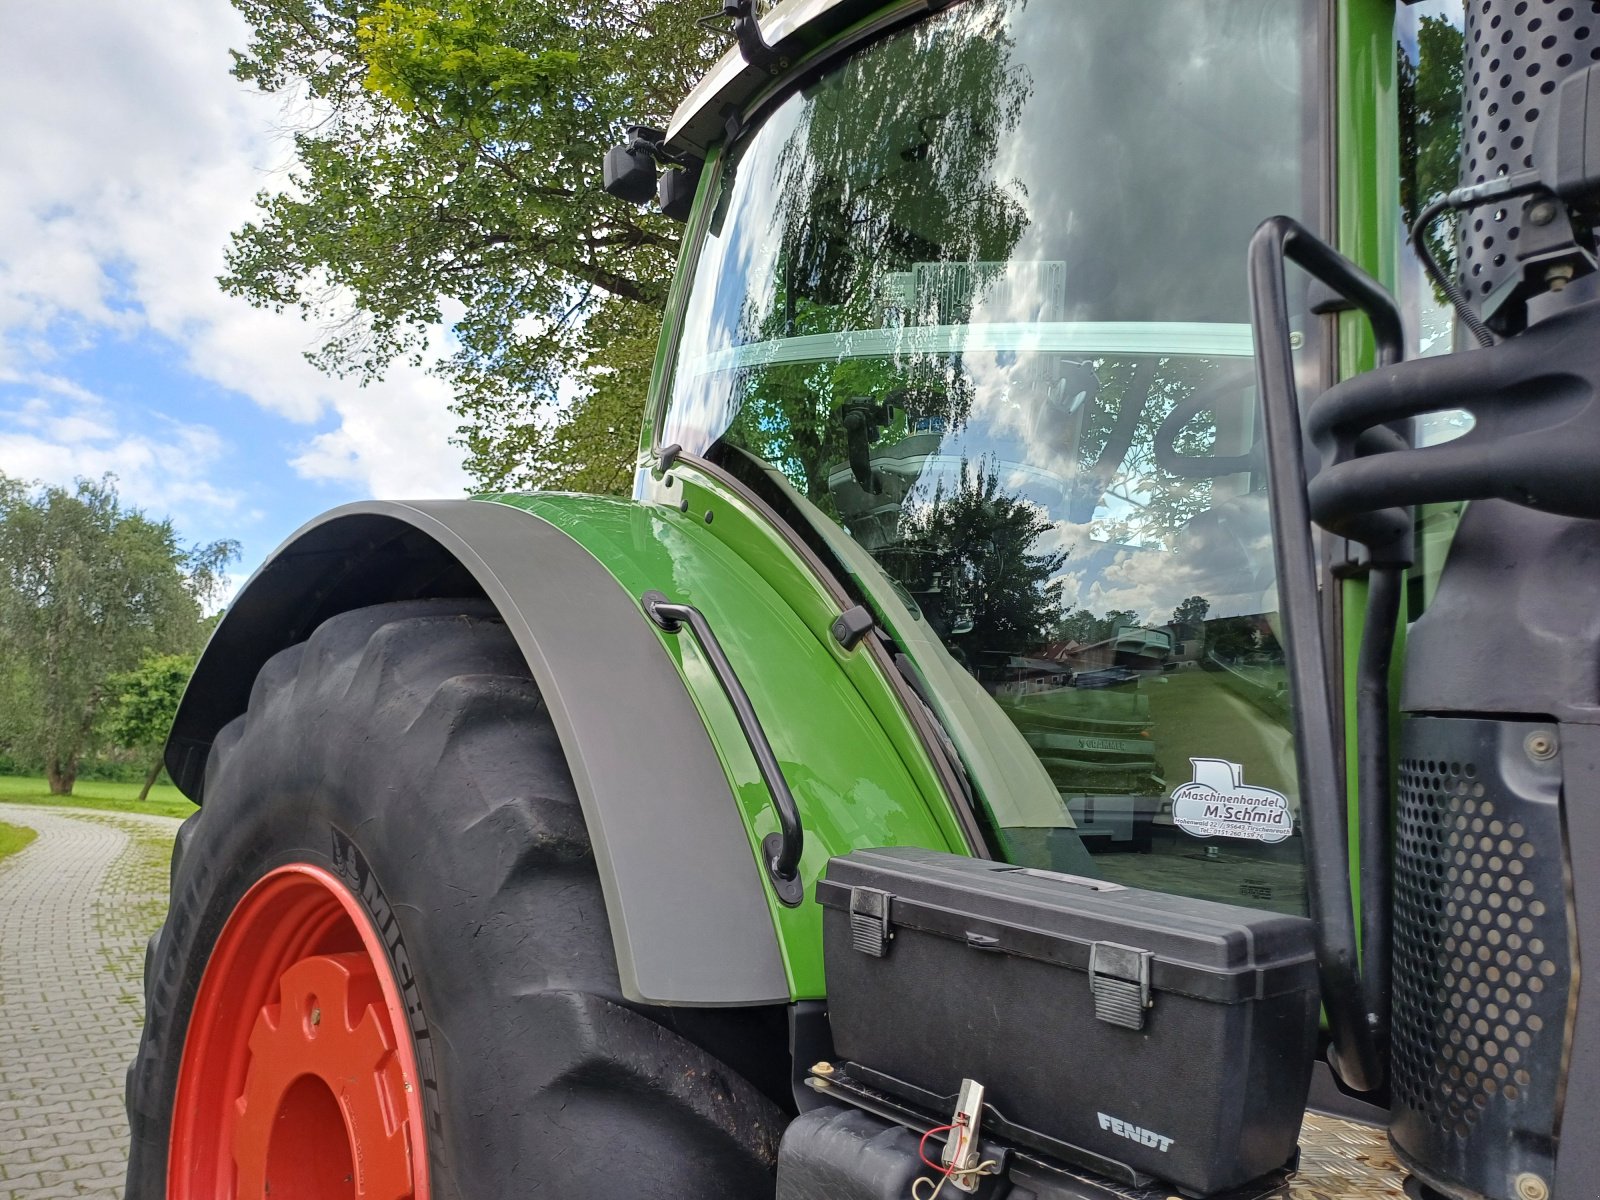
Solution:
(1119, 978)
(869, 921)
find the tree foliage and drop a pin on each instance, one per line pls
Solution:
(1083, 627)
(88, 589)
(590, 446)
(1430, 127)
(1234, 637)
(971, 558)
(143, 703)
(448, 170)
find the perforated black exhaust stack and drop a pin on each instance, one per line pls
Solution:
(1518, 52)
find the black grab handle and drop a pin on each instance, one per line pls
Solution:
(1355, 983)
(780, 852)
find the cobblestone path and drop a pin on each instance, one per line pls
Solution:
(76, 908)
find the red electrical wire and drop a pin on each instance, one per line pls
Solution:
(922, 1146)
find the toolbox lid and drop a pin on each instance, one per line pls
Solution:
(1216, 952)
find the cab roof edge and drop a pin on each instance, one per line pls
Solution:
(793, 29)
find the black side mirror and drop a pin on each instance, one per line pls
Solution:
(630, 174)
(630, 170)
(676, 190)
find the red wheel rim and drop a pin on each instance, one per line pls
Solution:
(298, 1079)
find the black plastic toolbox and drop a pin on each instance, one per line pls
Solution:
(1140, 1033)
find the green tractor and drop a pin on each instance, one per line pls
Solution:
(982, 753)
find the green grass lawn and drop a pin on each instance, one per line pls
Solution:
(1197, 714)
(165, 800)
(13, 838)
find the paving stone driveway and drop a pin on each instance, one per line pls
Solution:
(76, 908)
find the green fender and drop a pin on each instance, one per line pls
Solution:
(675, 804)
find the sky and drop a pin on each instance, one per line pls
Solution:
(127, 155)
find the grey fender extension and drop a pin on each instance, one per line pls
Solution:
(689, 916)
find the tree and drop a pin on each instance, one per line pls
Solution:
(1191, 611)
(1086, 629)
(1430, 128)
(450, 164)
(591, 446)
(1233, 637)
(970, 558)
(143, 703)
(88, 589)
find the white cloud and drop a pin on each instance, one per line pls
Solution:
(130, 155)
(1224, 555)
(60, 432)
(387, 447)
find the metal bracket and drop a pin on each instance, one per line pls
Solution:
(853, 624)
(961, 1147)
(753, 47)
(1119, 978)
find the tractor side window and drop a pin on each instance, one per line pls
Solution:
(1430, 55)
(977, 299)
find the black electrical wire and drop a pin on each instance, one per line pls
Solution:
(1447, 285)
(1503, 187)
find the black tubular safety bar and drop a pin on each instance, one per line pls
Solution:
(1374, 790)
(1355, 984)
(780, 852)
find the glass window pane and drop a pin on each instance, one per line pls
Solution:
(1430, 54)
(978, 295)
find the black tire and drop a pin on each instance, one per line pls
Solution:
(405, 747)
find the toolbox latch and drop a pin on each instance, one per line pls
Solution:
(1119, 978)
(869, 921)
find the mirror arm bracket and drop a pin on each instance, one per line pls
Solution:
(753, 47)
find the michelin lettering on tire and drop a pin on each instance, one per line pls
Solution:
(1217, 803)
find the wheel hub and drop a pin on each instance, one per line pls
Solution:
(298, 1080)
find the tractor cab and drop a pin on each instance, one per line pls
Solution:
(972, 299)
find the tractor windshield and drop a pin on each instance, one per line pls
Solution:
(977, 299)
